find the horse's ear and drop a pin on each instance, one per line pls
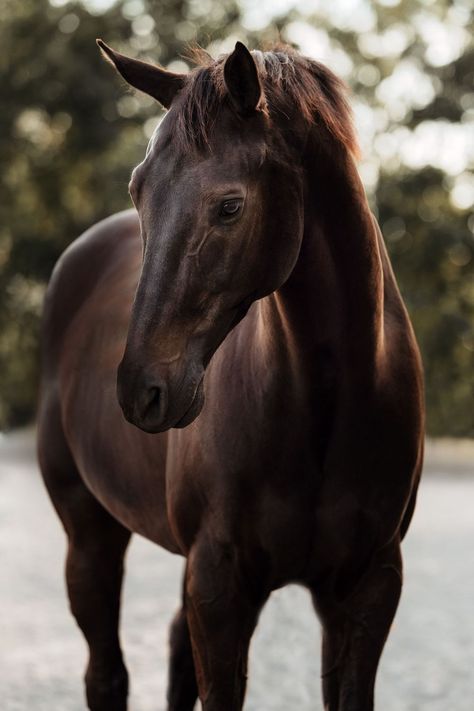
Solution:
(242, 81)
(152, 80)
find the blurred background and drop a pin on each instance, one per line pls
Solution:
(70, 133)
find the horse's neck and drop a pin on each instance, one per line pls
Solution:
(332, 304)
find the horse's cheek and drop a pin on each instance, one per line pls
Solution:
(215, 262)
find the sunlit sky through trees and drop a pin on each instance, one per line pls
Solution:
(439, 143)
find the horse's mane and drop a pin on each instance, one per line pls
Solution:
(291, 82)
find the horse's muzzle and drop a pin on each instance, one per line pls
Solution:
(153, 403)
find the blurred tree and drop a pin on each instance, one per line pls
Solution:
(432, 257)
(70, 134)
(428, 231)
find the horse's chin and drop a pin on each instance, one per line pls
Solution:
(194, 409)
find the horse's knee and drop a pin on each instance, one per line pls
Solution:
(106, 688)
(182, 687)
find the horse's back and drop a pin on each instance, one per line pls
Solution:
(79, 270)
(86, 315)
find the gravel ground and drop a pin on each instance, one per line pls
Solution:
(428, 663)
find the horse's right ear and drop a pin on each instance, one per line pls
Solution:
(149, 78)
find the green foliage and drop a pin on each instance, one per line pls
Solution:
(70, 134)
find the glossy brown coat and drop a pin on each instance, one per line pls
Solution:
(269, 364)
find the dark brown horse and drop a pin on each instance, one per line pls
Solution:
(268, 345)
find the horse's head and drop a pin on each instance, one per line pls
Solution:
(221, 227)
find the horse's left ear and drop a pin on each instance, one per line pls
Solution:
(152, 80)
(242, 81)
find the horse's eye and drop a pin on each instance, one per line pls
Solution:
(230, 208)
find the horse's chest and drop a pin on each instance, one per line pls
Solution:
(284, 522)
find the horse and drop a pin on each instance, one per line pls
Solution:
(229, 370)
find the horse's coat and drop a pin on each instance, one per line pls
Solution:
(268, 360)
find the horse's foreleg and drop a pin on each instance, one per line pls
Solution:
(94, 571)
(356, 629)
(94, 567)
(182, 686)
(222, 611)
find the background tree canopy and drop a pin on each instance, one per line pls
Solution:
(70, 134)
